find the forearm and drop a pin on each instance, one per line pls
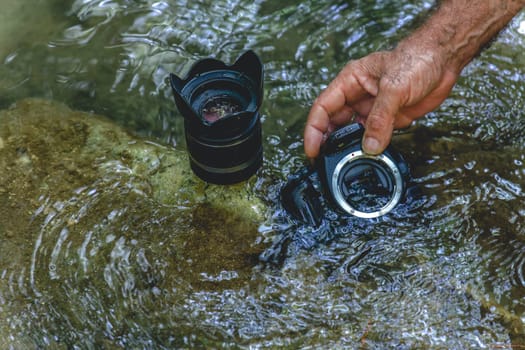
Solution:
(459, 29)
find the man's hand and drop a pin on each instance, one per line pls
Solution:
(383, 91)
(390, 89)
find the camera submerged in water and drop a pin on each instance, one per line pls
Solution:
(352, 181)
(222, 126)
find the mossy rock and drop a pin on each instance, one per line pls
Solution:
(63, 169)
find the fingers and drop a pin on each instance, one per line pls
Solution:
(342, 117)
(385, 90)
(313, 138)
(330, 108)
(379, 124)
(391, 110)
(326, 105)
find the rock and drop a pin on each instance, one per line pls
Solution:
(80, 172)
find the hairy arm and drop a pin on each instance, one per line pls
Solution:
(390, 89)
(461, 28)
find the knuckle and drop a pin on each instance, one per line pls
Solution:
(392, 82)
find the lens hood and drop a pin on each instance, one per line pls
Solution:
(220, 104)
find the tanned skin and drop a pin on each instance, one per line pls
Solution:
(388, 90)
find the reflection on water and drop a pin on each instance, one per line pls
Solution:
(106, 269)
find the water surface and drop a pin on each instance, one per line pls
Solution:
(446, 272)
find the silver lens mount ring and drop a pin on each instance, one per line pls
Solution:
(390, 165)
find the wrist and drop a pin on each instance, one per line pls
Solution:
(459, 30)
(437, 57)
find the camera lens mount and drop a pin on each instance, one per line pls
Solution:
(356, 183)
(349, 184)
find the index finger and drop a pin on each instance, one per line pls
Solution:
(338, 95)
(328, 103)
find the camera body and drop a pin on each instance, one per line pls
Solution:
(348, 179)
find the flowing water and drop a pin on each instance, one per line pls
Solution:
(446, 272)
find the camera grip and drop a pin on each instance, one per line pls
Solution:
(300, 198)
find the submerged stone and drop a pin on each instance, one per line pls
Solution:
(95, 221)
(70, 173)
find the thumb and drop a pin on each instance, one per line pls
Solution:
(379, 124)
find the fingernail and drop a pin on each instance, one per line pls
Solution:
(371, 145)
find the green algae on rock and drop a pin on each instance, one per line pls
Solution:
(96, 223)
(88, 208)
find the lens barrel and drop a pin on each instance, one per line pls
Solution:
(222, 124)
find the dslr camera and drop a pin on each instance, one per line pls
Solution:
(347, 179)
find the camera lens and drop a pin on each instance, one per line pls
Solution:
(222, 125)
(219, 107)
(367, 186)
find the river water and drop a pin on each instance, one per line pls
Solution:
(445, 272)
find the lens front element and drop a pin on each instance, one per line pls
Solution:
(367, 186)
(219, 107)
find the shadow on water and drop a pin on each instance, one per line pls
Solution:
(108, 241)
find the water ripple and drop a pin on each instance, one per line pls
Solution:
(104, 266)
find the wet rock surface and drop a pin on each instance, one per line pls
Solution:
(88, 207)
(94, 219)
